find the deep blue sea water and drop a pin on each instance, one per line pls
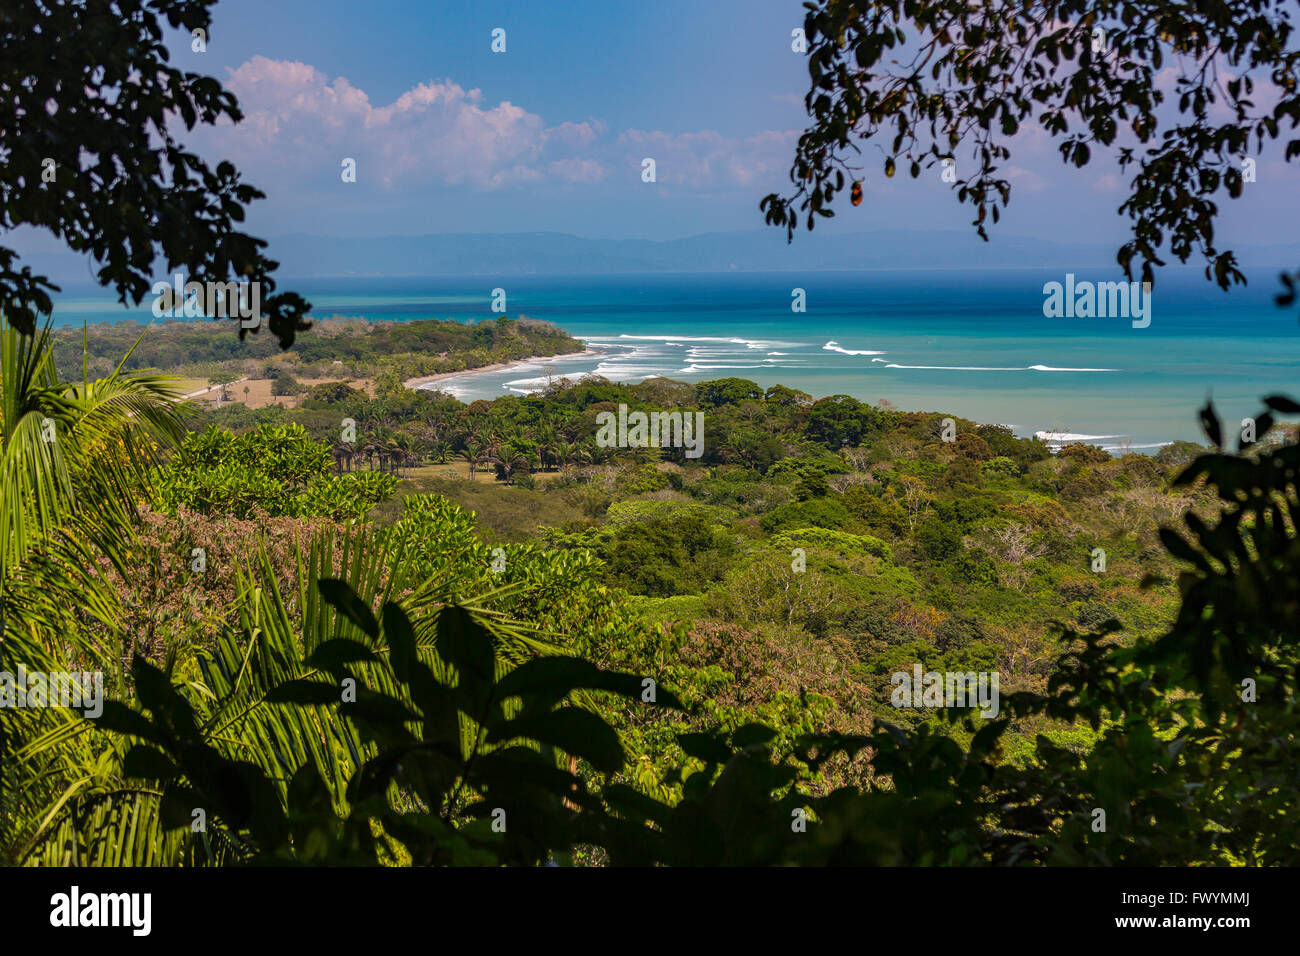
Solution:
(975, 344)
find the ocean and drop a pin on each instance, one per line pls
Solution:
(975, 344)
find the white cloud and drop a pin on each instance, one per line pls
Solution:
(297, 119)
(436, 131)
(709, 159)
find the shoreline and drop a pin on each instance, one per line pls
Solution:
(424, 381)
(1055, 439)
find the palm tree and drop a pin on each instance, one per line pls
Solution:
(508, 460)
(474, 454)
(91, 814)
(396, 457)
(74, 459)
(403, 452)
(343, 452)
(375, 412)
(548, 449)
(73, 453)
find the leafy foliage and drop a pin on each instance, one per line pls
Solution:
(392, 707)
(276, 470)
(919, 80)
(93, 92)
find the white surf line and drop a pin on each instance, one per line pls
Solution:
(991, 368)
(502, 368)
(834, 346)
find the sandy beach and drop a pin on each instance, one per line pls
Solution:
(425, 380)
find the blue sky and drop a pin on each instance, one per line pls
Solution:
(602, 83)
(451, 137)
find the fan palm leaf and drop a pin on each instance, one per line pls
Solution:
(74, 458)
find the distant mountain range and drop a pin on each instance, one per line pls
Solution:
(540, 253)
(534, 253)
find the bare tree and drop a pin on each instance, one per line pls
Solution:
(915, 498)
(1014, 543)
(859, 458)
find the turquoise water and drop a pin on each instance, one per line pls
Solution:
(971, 343)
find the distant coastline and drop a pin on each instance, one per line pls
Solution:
(962, 341)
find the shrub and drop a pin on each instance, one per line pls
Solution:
(818, 513)
(1084, 453)
(286, 384)
(1179, 454)
(275, 470)
(937, 539)
(1000, 467)
(727, 391)
(882, 515)
(826, 537)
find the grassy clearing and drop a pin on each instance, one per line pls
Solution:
(505, 513)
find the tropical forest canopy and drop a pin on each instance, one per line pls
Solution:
(364, 623)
